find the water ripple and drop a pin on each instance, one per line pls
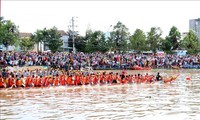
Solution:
(181, 100)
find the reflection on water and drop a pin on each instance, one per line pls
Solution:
(179, 100)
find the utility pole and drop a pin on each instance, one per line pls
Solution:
(73, 35)
(72, 26)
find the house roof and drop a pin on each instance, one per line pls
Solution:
(23, 34)
(62, 32)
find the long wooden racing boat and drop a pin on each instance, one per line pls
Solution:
(146, 79)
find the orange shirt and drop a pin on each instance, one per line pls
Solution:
(95, 80)
(1, 82)
(77, 80)
(62, 80)
(69, 80)
(11, 81)
(87, 80)
(56, 81)
(39, 81)
(19, 83)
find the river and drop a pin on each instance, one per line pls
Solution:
(179, 100)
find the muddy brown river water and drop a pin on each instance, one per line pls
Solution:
(179, 100)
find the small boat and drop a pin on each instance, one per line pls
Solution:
(136, 67)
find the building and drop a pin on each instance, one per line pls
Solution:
(194, 24)
(64, 38)
(40, 46)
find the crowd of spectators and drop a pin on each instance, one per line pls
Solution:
(66, 61)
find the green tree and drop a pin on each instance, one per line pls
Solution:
(53, 39)
(89, 41)
(112, 41)
(154, 38)
(96, 41)
(80, 43)
(173, 38)
(8, 32)
(190, 42)
(138, 40)
(121, 36)
(102, 43)
(26, 44)
(50, 38)
(39, 37)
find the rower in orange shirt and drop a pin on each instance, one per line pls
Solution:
(62, 80)
(125, 80)
(95, 80)
(69, 80)
(51, 81)
(130, 79)
(12, 81)
(39, 81)
(87, 81)
(43, 81)
(2, 84)
(35, 81)
(47, 82)
(83, 79)
(101, 79)
(21, 82)
(77, 80)
(29, 81)
(56, 80)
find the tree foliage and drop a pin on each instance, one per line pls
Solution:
(119, 39)
(26, 44)
(80, 43)
(96, 41)
(53, 41)
(191, 43)
(8, 32)
(154, 38)
(50, 38)
(121, 36)
(173, 38)
(138, 40)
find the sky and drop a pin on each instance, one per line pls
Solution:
(100, 15)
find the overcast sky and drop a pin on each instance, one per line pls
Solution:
(99, 15)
